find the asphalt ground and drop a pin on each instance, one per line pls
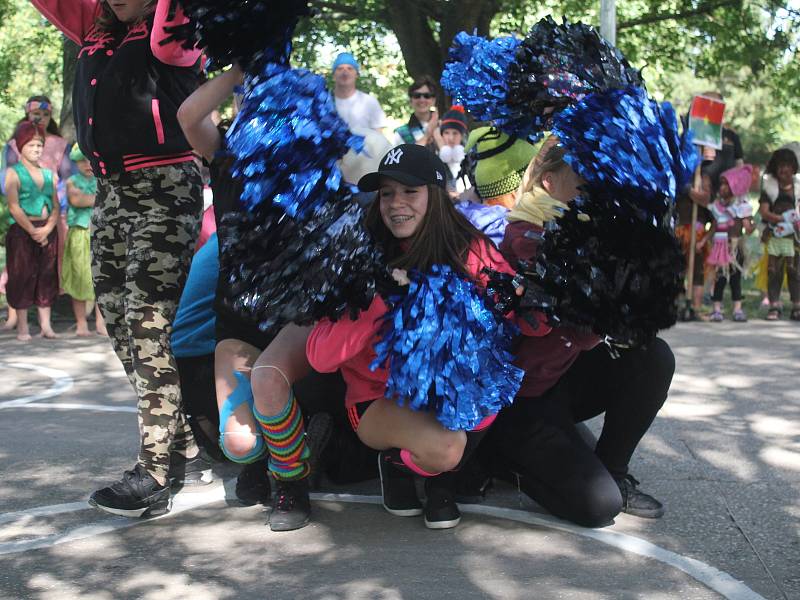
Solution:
(723, 456)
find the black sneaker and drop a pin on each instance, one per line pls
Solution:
(637, 503)
(318, 434)
(137, 494)
(190, 472)
(291, 506)
(398, 489)
(252, 484)
(441, 510)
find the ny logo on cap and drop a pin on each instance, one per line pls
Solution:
(439, 176)
(394, 156)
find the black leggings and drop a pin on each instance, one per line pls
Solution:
(735, 278)
(537, 437)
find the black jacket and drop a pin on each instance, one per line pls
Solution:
(125, 102)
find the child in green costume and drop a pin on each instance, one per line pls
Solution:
(76, 271)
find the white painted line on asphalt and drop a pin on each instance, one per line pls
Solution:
(713, 578)
(717, 580)
(62, 382)
(44, 511)
(180, 503)
(77, 406)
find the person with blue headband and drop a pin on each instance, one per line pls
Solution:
(356, 108)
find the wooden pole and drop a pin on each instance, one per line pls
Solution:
(697, 185)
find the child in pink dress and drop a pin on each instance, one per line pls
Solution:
(732, 213)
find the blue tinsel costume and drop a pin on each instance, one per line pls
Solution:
(611, 262)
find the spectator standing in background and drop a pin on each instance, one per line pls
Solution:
(55, 157)
(501, 162)
(453, 135)
(423, 124)
(780, 190)
(31, 241)
(356, 108)
(76, 274)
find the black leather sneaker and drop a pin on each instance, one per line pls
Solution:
(137, 494)
(291, 506)
(441, 510)
(191, 472)
(398, 489)
(636, 502)
(252, 484)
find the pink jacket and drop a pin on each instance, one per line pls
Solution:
(349, 344)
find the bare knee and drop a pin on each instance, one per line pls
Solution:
(239, 444)
(270, 390)
(445, 453)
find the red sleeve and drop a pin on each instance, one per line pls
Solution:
(170, 53)
(484, 254)
(330, 344)
(516, 245)
(73, 17)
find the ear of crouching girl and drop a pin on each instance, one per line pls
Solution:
(414, 221)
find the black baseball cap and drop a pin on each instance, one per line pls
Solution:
(410, 164)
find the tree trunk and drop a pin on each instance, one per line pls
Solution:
(69, 58)
(423, 53)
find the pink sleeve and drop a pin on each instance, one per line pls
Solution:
(484, 254)
(330, 344)
(170, 53)
(73, 17)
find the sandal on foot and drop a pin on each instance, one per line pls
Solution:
(773, 314)
(739, 316)
(716, 317)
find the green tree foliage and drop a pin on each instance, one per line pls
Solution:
(30, 61)
(746, 49)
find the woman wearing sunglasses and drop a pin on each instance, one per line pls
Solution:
(423, 125)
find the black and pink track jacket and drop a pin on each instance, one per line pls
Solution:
(128, 87)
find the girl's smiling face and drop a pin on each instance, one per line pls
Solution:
(402, 207)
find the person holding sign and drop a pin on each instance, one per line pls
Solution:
(705, 123)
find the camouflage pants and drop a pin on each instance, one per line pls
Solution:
(144, 228)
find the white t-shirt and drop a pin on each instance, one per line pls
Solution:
(361, 110)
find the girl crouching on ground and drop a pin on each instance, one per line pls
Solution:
(414, 221)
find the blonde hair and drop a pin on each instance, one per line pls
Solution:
(549, 159)
(534, 204)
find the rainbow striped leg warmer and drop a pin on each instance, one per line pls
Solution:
(285, 436)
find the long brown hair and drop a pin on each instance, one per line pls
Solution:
(443, 238)
(107, 21)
